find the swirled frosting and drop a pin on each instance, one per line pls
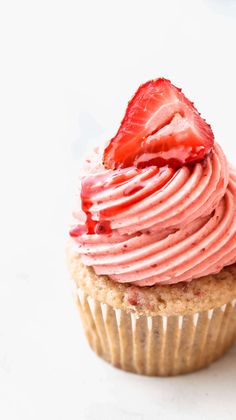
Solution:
(158, 225)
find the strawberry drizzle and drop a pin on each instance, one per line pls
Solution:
(138, 193)
(92, 185)
(95, 184)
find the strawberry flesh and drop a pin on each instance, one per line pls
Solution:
(161, 127)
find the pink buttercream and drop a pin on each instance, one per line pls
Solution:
(165, 225)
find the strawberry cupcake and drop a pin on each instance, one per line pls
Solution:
(153, 244)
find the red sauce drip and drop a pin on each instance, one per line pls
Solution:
(94, 184)
(89, 188)
(133, 199)
(121, 177)
(90, 223)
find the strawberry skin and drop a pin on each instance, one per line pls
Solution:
(160, 127)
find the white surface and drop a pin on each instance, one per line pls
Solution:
(67, 71)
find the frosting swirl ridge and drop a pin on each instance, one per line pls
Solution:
(159, 225)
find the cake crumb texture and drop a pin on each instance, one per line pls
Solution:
(178, 299)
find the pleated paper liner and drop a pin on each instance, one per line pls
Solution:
(157, 345)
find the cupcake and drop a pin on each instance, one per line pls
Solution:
(153, 243)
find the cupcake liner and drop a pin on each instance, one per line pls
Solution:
(157, 345)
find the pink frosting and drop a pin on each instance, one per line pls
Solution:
(165, 225)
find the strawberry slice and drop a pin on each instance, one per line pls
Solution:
(161, 126)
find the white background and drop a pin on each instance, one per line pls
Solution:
(67, 70)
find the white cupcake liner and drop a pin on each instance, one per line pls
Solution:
(157, 345)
